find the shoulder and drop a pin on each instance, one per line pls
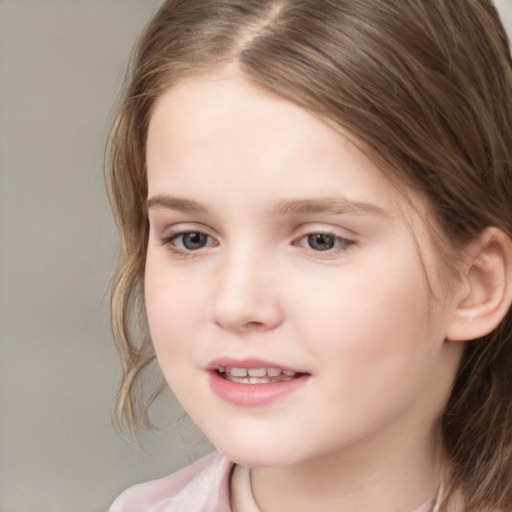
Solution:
(202, 487)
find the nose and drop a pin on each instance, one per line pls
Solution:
(246, 296)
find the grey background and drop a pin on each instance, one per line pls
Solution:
(62, 64)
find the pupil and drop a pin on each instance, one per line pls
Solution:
(321, 241)
(194, 240)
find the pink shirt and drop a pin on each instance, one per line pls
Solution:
(201, 487)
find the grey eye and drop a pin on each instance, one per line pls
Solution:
(192, 241)
(321, 241)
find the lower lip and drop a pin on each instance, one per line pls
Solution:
(253, 394)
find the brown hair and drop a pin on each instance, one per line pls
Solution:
(425, 87)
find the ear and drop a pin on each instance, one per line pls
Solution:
(486, 291)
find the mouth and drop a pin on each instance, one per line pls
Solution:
(256, 375)
(251, 383)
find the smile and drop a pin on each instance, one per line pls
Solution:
(256, 375)
(253, 382)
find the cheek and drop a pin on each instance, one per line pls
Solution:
(372, 326)
(378, 302)
(172, 306)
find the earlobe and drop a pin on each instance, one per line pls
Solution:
(487, 287)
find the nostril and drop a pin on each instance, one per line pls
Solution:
(254, 326)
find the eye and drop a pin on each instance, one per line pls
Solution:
(189, 241)
(323, 242)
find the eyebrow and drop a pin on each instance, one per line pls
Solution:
(175, 203)
(333, 206)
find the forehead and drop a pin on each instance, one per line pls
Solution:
(222, 122)
(224, 110)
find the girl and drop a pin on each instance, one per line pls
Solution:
(315, 204)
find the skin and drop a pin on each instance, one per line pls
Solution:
(359, 318)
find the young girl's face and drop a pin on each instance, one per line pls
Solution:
(288, 303)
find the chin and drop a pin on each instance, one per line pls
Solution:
(258, 453)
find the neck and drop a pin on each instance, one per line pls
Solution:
(396, 478)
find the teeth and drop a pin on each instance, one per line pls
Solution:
(257, 375)
(257, 372)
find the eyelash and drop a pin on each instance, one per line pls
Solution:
(170, 242)
(341, 244)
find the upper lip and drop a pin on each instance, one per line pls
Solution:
(228, 362)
